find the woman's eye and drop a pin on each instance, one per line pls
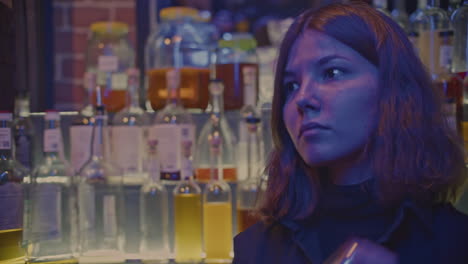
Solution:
(332, 73)
(291, 87)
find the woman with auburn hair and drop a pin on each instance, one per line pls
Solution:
(364, 164)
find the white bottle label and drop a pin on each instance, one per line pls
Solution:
(171, 138)
(127, 143)
(108, 63)
(47, 220)
(80, 145)
(445, 56)
(5, 138)
(109, 216)
(11, 206)
(52, 140)
(250, 85)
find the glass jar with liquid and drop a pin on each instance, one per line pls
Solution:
(109, 54)
(186, 42)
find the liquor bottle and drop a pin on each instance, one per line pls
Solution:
(433, 20)
(216, 124)
(381, 5)
(460, 42)
(399, 14)
(128, 137)
(217, 205)
(415, 20)
(248, 189)
(188, 240)
(154, 212)
(100, 200)
(450, 84)
(81, 128)
(53, 234)
(23, 133)
(172, 126)
(11, 196)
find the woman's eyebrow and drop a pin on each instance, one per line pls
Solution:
(324, 60)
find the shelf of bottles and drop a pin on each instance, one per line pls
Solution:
(114, 183)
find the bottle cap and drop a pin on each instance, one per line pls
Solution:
(178, 12)
(104, 27)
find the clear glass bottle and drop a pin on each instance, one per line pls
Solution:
(450, 84)
(248, 189)
(433, 20)
(415, 24)
(53, 234)
(381, 5)
(172, 126)
(188, 223)
(217, 205)
(81, 129)
(128, 140)
(110, 55)
(129, 133)
(100, 201)
(183, 42)
(12, 174)
(453, 5)
(23, 133)
(237, 66)
(154, 212)
(399, 14)
(216, 125)
(460, 44)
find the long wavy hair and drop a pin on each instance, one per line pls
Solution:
(414, 152)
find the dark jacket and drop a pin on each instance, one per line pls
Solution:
(431, 235)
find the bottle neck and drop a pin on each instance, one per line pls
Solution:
(52, 139)
(133, 97)
(173, 96)
(381, 4)
(253, 150)
(154, 172)
(422, 4)
(98, 138)
(6, 136)
(400, 5)
(433, 3)
(217, 103)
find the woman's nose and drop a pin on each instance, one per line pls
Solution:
(307, 102)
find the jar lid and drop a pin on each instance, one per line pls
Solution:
(242, 41)
(109, 27)
(178, 12)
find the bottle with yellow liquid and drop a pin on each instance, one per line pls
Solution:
(11, 196)
(188, 213)
(217, 207)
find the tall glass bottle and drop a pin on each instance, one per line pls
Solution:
(217, 205)
(399, 14)
(53, 234)
(216, 123)
(460, 44)
(11, 196)
(188, 224)
(248, 189)
(100, 200)
(128, 139)
(433, 20)
(81, 128)
(172, 126)
(154, 212)
(453, 5)
(23, 131)
(450, 84)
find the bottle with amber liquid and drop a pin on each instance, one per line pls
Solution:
(218, 126)
(237, 67)
(450, 84)
(185, 42)
(110, 55)
(217, 206)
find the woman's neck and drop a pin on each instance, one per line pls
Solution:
(351, 170)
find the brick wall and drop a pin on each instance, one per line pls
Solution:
(72, 19)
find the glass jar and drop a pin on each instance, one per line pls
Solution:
(237, 67)
(110, 55)
(186, 42)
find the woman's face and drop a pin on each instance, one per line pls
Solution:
(331, 105)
